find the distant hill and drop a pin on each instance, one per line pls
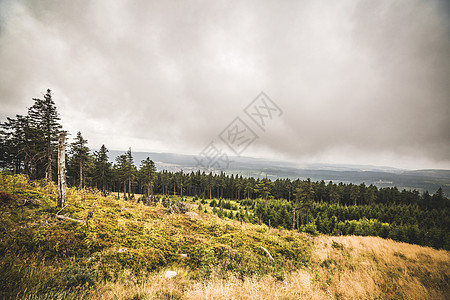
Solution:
(381, 176)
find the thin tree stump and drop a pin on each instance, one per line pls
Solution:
(62, 169)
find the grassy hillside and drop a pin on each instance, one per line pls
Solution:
(124, 250)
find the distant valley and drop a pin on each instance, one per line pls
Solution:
(421, 180)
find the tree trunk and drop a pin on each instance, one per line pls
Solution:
(81, 173)
(129, 187)
(49, 161)
(293, 218)
(148, 194)
(103, 181)
(151, 191)
(265, 204)
(61, 170)
(50, 170)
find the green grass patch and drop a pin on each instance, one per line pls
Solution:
(43, 254)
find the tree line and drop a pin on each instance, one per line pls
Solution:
(403, 222)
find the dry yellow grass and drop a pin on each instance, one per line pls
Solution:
(347, 267)
(372, 267)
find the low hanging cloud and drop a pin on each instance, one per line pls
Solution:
(355, 79)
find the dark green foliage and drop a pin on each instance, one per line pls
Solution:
(28, 143)
(74, 276)
(125, 173)
(79, 161)
(102, 170)
(147, 175)
(5, 198)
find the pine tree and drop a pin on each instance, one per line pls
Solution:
(164, 182)
(147, 173)
(210, 181)
(121, 172)
(44, 116)
(438, 199)
(80, 156)
(264, 188)
(131, 170)
(29, 142)
(304, 195)
(23, 145)
(102, 167)
(354, 193)
(250, 187)
(126, 171)
(179, 181)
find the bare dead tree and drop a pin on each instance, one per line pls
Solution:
(62, 169)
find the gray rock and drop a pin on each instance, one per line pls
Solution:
(170, 274)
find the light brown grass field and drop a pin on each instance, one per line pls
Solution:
(347, 267)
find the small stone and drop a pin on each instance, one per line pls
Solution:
(122, 250)
(183, 255)
(192, 214)
(170, 274)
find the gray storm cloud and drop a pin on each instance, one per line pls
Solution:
(353, 78)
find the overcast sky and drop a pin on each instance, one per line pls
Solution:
(358, 82)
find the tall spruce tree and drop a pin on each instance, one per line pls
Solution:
(102, 168)
(120, 170)
(304, 197)
(79, 156)
(131, 170)
(44, 116)
(126, 171)
(147, 173)
(24, 147)
(28, 143)
(264, 188)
